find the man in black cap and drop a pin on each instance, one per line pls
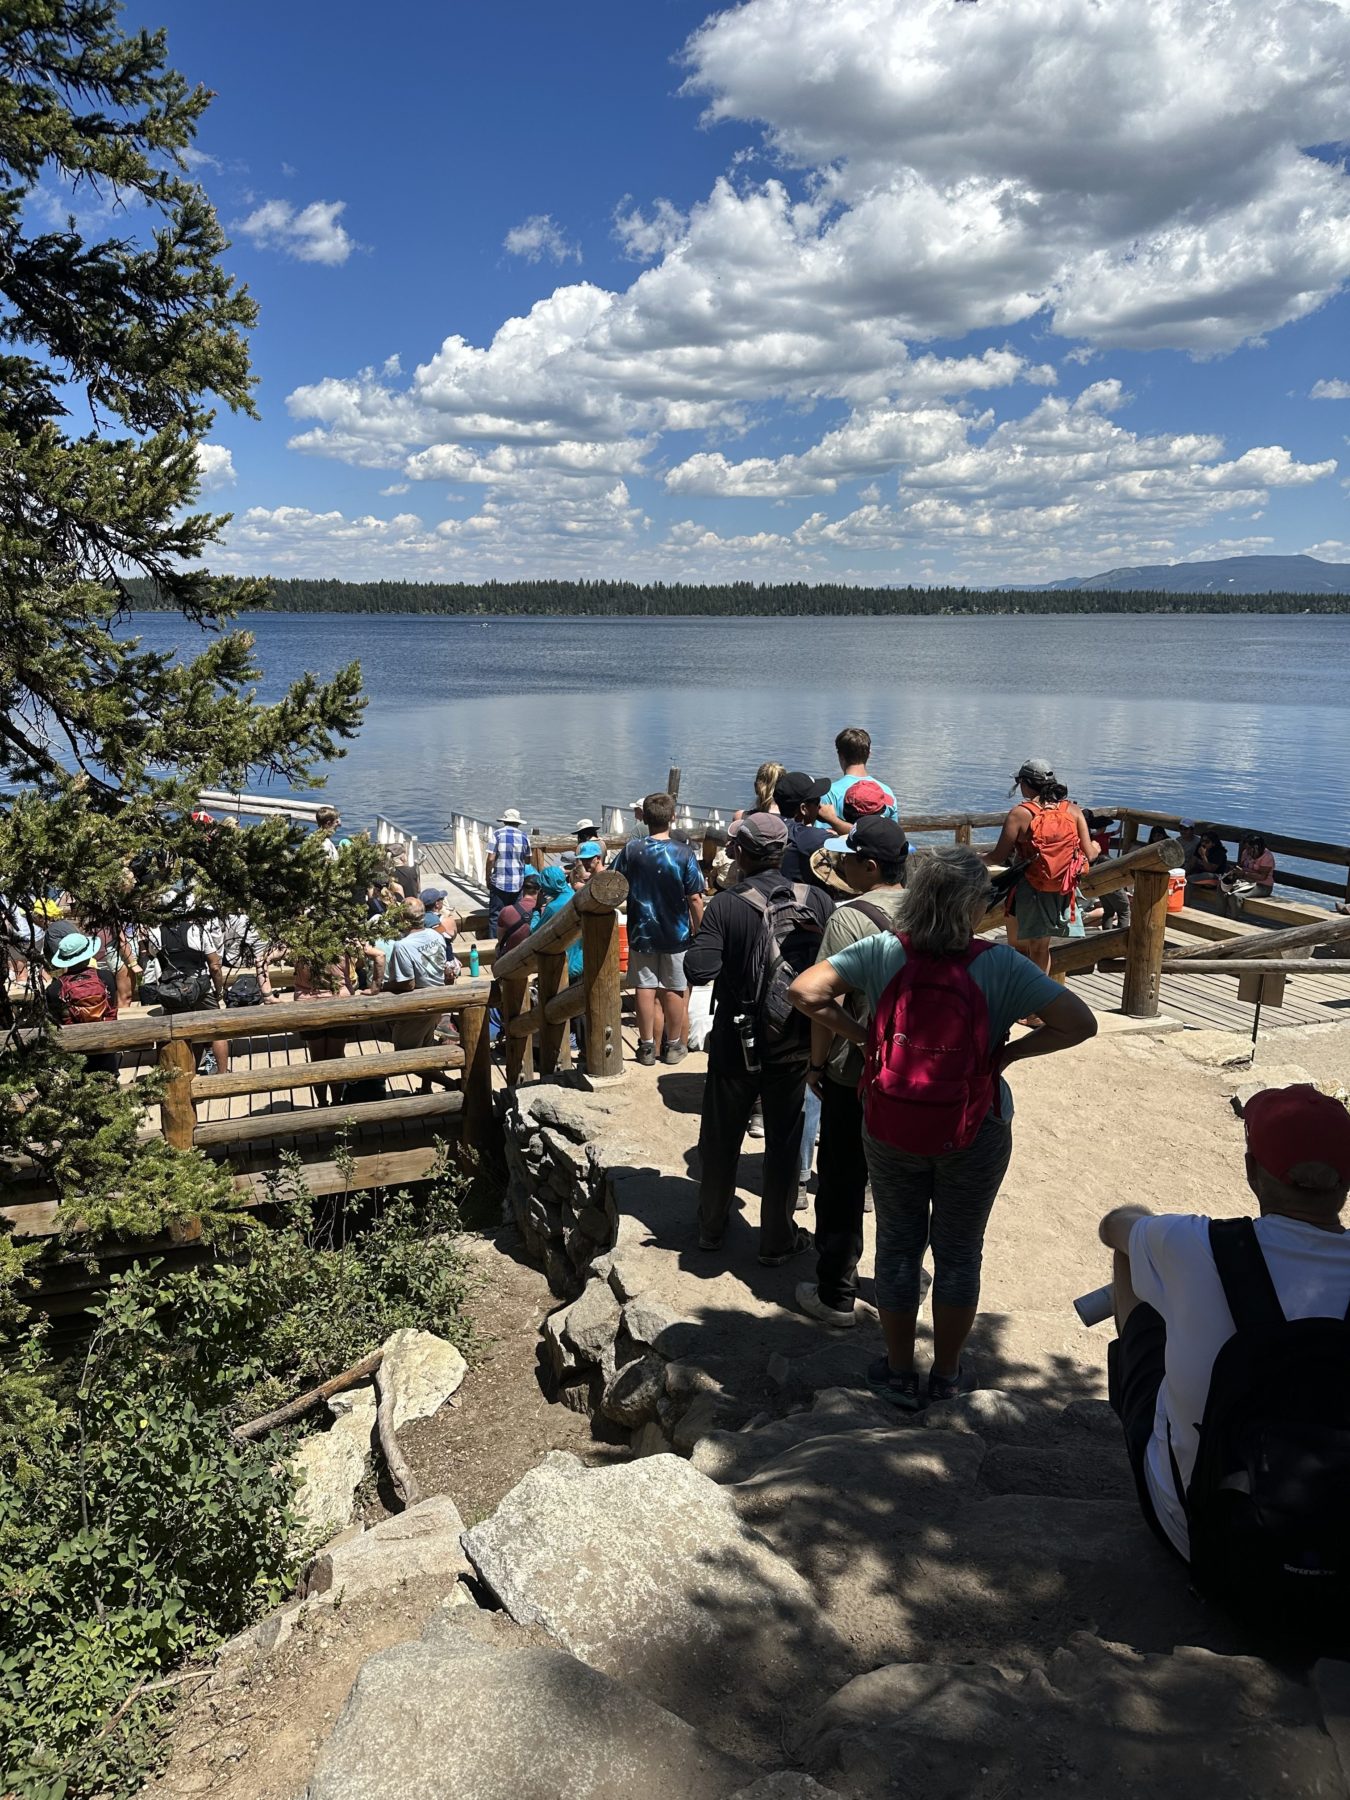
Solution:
(872, 861)
(747, 1060)
(797, 797)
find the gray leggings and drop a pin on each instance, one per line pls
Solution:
(949, 1197)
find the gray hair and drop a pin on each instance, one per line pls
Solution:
(945, 896)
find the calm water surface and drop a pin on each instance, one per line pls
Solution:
(1237, 718)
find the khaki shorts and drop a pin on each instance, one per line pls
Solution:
(416, 1032)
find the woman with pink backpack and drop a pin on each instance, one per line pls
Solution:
(937, 1114)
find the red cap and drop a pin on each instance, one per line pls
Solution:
(1292, 1125)
(865, 798)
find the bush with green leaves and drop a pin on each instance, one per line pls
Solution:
(135, 1532)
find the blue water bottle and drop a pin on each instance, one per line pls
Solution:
(473, 959)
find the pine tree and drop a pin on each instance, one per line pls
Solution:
(118, 343)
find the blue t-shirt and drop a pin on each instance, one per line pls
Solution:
(661, 876)
(420, 957)
(833, 797)
(1011, 983)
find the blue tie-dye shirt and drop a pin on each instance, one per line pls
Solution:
(661, 876)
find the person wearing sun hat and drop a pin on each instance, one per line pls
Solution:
(80, 993)
(508, 852)
(1172, 1303)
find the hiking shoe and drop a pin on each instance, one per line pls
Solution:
(945, 1387)
(803, 1196)
(675, 1052)
(755, 1128)
(776, 1262)
(707, 1242)
(900, 1390)
(808, 1298)
(646, 1055)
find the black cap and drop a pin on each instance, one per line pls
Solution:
(883, 840)
(795, 788)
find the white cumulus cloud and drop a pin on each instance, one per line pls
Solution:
(1333, 389)
(538, 237)
(310, 233)
(215, 466)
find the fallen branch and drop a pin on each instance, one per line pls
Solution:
(405, 1482)
(297, 1408)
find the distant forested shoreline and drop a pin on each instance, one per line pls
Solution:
(624, 599)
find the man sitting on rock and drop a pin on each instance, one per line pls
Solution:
(1201, 1310)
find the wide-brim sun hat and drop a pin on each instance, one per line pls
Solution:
(75, 948)
(510, 817)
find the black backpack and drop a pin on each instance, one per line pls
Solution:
(184, 983)
(1268, 1507)
(788, 939)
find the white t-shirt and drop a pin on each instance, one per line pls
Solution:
(1172, 1269)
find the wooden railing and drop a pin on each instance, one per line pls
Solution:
(1306, 849)
(591, 915)
(177, 1039)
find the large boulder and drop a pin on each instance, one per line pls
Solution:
(465, 1713)
(421, 1370)
(591, 1323)
(1097, 1719)
(644, 1571)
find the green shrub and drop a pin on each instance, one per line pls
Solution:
(135, 1533)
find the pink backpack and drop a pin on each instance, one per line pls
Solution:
(929, 1078)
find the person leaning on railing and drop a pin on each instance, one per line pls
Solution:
(422, 958)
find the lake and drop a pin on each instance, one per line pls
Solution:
(1239, 718)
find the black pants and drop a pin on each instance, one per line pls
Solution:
(728, 1096)
(841, 1188)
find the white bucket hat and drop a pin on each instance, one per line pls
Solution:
(509, 817)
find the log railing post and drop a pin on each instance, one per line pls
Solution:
(1129, 833)
(1144, 954)
(962, 833)
(479, 1127)
(553, 1036)
(600, 962)
(515, 993)
(177, 1108)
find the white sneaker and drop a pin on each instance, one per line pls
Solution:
(808, 1298)
(755, 1128)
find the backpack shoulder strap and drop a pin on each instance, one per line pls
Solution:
(872, 913)
(754, 899)
(1247, 1284)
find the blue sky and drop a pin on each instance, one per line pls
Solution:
(860, 290)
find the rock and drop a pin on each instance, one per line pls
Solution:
(701, 1416)
(1331, 1685)
(450, 1716)
(1279, 1075)
(643, 1570)
(729, 1456)
(627, 1277)
(592, 1322)
(329, 1466)
(578, 1395)
(421, 1371)
(422, 1541)
(788, 1784)
(360, 1397)
(645, 1320)
(594, 1225)
(1213, 1049)
(632, 1392)
(1094, 1416)
(651, 1441)
(1073, 1473)
(988, 1413)
(566, 1114)
(685, 1380)
(557, 1353)
(1098, 1719)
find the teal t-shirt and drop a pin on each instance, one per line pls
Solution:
(1011, 983)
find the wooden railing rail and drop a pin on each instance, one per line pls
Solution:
(1313, 850)
(1261, 945)
(591, 915)
(176, 1036)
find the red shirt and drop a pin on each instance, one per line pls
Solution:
(513, 922)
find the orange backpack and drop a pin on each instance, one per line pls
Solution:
(1056, 859)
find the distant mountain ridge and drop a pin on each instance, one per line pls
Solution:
(1230, 575)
